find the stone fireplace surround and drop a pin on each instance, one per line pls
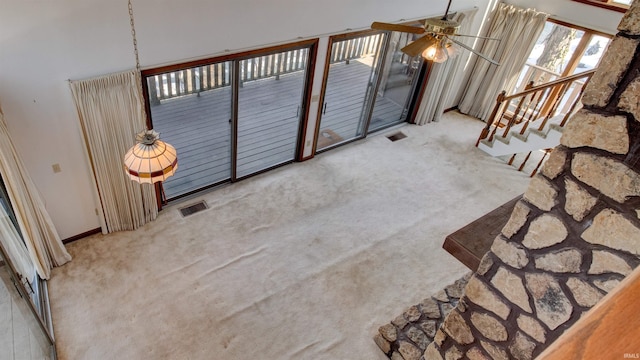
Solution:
(572, 238)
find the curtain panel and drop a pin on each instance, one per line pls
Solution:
(518, 29)
(439, 94)
(42, 241)
(110, 113)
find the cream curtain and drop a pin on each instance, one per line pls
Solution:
(110, 112)
(439, 93)
(518, 30)
(38, 232)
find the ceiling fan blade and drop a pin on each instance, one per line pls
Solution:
(396, 27)
(473, 51)
(477, 37)
(417, 47)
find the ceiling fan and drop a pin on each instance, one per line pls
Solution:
(437, 43)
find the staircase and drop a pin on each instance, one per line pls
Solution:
(533, 139)
(533, 119)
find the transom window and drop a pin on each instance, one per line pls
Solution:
(562, 49)
(615, 5)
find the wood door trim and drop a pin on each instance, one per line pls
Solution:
(604, 5)
(235, 99)
(425, 69)
(325, 78)
(229, 57)
(578, 27)
(308, 93)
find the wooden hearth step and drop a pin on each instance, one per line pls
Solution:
(470, 243)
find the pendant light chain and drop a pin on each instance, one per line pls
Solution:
(150, 160)
(138, 70)
(133, 36)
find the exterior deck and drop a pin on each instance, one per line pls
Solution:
(199, 125)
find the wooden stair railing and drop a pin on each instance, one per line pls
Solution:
(541, 102)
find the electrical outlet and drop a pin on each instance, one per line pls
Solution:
(56, 168)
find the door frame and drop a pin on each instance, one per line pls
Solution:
(414, 98)
(234, 59)
(325, 76)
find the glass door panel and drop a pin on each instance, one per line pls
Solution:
(191, 109)
(25, 322)
(351, 75)
(23, 336)
(397, 83)
(550, 55)
(270, 106)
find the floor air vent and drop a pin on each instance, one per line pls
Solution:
(397, 136)
(193, 208)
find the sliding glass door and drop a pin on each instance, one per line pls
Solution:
(191, 109)
(25, 319)
(23, 334)
(398, 81)
(370, 85)
(270, 107)
(350, 80)
(231, 118)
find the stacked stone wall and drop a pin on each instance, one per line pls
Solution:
(407, 336)
(573, 237)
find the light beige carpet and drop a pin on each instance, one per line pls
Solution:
(303, 262)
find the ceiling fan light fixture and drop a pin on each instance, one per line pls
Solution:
(437, 44)
(436, 53)
(452, 50)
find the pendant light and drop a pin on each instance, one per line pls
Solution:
(150, 160)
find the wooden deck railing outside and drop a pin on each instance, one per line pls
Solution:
(355, 48)
(213, 76)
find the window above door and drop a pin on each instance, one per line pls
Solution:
(614, 5)
(562, 49)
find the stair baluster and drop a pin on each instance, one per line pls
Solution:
(541, 110)
(487, 128)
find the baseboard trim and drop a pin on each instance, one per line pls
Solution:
(83, 235)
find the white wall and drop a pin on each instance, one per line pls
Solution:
(43, 43)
